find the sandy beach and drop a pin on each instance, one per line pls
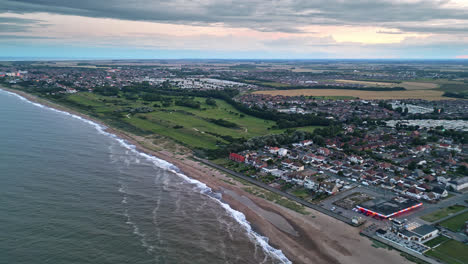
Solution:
(311, 238)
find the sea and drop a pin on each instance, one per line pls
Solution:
(72, 193)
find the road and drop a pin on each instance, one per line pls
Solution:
(429, 208)
(271, 189)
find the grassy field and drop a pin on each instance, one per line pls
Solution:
(368, 83)
(450, 252)
(185, 125)
(439, 214)
(455, 223)
(301, 193)
(436, 241)
(266, 83)
(367, 95)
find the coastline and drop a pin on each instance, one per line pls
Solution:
(312, 238)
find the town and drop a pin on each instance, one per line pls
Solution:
(396, 168)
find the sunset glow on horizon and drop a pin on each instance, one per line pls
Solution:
(320, 29)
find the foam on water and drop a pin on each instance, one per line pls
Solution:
(203, 188)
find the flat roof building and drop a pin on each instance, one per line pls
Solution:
(388, 208)
(419, 234)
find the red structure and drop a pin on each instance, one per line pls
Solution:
(236, 157)
(370, 212)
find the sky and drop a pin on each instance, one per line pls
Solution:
(234, 29)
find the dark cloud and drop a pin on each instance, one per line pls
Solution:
(16, 37)
(276, 15)
(17, 20)
(13, 28)
(455, 29)
(16, 24)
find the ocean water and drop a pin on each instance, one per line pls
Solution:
(72, 193)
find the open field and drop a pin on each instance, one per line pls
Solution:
(436, 241)
(189, 126)
(406, 85)
(419, 85)
(369, 83)
(450, 252)
(455, 223)
(439, 214)
(307, 70)
(367, 95)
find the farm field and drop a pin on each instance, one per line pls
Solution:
(407, 85)
(439, 214)
(366, 95)
(455, 223)
(369, 83)
(419, 85)
(189, 126)
(450, 252)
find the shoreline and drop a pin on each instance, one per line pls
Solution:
(312, 238)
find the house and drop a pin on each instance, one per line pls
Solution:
(323, 151)
(269, 169)
(413, 193)
(313, 158)
(297, 166)
(419, 234)
(443, 180)
(430, 196)
(282, 152)
(273, 150)
(459, 184)
(440, 192)
(309, 183)
(297, 178)
(429, 178)
(277, 173)
(293, 155)
(236, 157)
(329, 187)
(287, 163)
(424, 187)
(355, 159)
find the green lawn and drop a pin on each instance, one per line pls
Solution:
(436, 241)
(194, 128)
(450, 252)
(301, 193)
(434, 216)
(455, 223)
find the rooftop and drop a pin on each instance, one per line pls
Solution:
(387, 208)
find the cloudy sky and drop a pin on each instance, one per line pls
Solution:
(289, 29)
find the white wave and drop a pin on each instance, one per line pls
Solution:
(204, 189)
(137, 232)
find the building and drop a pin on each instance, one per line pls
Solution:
(282, 152)
(236, 157)
(388, 208)
(419, 234)
(459, 184)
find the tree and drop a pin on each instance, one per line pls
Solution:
(412, 165)
(210, 101)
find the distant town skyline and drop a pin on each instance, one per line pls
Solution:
(319, 29)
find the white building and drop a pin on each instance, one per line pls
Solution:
(459, 184)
